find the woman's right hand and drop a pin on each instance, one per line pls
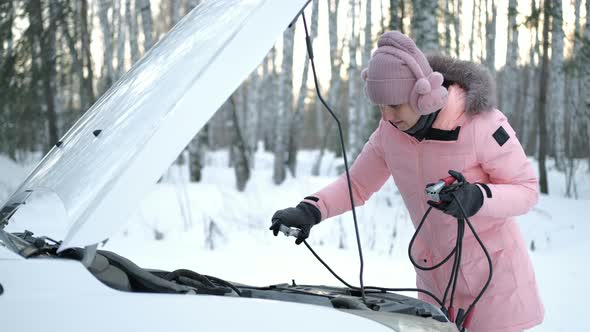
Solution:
(303, 216)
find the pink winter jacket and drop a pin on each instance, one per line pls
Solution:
(466, 138)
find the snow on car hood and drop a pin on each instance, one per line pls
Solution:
(107, 161)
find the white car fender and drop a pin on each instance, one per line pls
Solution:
(62, 294)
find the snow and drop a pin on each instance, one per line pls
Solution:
(240, 248)
(12, 175)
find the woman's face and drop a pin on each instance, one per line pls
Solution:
(402, 116)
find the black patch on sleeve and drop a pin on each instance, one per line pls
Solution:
(501, 136)
(312, 198)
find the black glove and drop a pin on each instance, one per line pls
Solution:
(469, 195)
(303, 216)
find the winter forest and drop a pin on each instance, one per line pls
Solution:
(58, 57)
(272, 142)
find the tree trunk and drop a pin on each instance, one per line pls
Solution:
(146, 22)
(284, 107)
(197, 150)
(364, 103)
(529, 129)
(190, 4)
(556, 92)
(425, 25)
(51, 74)
(120, 41)
(448, 24)
(105, 25)
(585, 74)
(472, 39)
(457, 22)
(86, 38)
(296, 127)
(395, 17)
(131, 18)
(510, 87)
(252, 115)
(353, 122)
(269, 99)
(240, 152)
(382, 19)
(335, 79)
(543, 99)
(491, 36)
(174, 12)
(44, 48)
(7, 66)
(198, 146)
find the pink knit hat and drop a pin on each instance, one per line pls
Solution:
(399, 73)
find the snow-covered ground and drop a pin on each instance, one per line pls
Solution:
(211, 228)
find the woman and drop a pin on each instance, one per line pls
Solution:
(438, 115)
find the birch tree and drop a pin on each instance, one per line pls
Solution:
(382, 24)
(7, 83)
(252, 115)
(174, 12)
(475, 5)
(131, 18)
(197, 148)
(510, 75)
(296, 127)
(529, 118)
(284, 107)
(270, 84)
(366, 56)
(457, 25)
(542, 102)
(395, 15)
(491, 14)
(353, 122)
(146, 22)
(239, 149)
(43, 61)
(104, 6)
(586, 78)
(572, 123)
(557, 80)
(121, 38)
(448, 24)
(335, 82)
(86, 38)
(425, 25)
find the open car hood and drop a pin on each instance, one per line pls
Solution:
(107, 161)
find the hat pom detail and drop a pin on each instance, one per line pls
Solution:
(423, 86)
(436, 79)
(433, 101)
(430, 93)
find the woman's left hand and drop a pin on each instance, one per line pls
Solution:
(462, 194)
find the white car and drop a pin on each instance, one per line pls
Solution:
(99, 171)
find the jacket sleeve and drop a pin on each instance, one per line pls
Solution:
(513, 187)
(368, 173)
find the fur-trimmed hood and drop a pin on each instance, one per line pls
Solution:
(475, 79)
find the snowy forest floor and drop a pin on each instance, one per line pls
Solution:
(213, 229)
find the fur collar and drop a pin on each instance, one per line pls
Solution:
(475, 79)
